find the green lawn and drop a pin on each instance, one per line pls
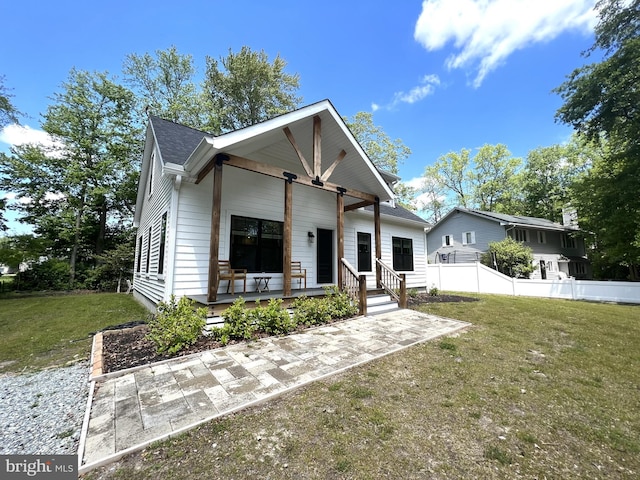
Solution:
(44, 331)
(536, 389)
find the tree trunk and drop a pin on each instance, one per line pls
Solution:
(102, 230)
(76, 241)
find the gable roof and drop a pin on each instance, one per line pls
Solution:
(186, 151)
(510, 220)
(399, 212)
(175, 142)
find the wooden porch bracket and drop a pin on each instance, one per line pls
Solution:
(317, 147)
(329, 171)
(293, 143)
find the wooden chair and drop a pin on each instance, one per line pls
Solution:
(225, 272)
(298, 272)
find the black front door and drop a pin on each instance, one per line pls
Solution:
(325, 255)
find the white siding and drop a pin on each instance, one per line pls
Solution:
(149, 283)
(244, 194)
(253, 195)
(359, 221)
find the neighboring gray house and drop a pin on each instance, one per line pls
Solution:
(464, 234)
(295, 188)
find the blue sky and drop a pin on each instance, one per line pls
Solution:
(441, 75)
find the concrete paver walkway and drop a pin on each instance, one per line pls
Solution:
(157, 401)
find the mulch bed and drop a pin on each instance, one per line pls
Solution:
(126, 347)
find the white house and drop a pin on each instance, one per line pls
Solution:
(295, 188)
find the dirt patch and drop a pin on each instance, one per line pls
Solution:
(426, 298)
(130, 347)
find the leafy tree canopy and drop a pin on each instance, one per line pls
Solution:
(8, 112)
(244, 88)
(385, 153)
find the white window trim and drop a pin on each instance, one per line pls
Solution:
(152, 164)
(451, 240)
(464, 238)
(527, 237)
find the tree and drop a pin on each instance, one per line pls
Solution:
(486, 182)
(601, 101)
(451, 171)
(18, 249)
(165, 85)
(72, 190)
(493, 180)
(385, 153)
(244, 88)
(510, 258)
(8, 112)
(548, 175)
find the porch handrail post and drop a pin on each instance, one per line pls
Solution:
(362, 294)
(403, 290)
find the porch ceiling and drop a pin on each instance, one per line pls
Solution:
(267, 143)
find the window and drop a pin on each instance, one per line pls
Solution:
(567, 241)
(256, 244)
(163, 239)
(542, 236)
(447, 240)
(468, 238)
(148, 250)
(139, 262)
(152, 164)
(364, 252)
(402, 254)
(521, 235)
(579, 268)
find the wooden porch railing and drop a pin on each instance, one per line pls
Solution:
(395, 284)
(354, 284)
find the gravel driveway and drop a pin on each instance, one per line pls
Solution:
(42, 413)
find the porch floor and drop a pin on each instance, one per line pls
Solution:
(226, 299)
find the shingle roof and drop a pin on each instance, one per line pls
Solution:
(517, 219)
(176, 142)
(398, 212)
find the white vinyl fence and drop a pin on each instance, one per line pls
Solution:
(477, 278)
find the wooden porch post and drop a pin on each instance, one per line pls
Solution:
(214, 245)
(376, 219)
(288, 237)
(340, 228)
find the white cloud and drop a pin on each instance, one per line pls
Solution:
(426, 87)
(16, 135)
(485, 32)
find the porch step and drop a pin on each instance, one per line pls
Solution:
(380, 303)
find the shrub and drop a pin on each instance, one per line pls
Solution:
(316, 311)
(510, 258)
(238, 324)
(176, 325)
(273, 319)
(433, 291)
(52, 274)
